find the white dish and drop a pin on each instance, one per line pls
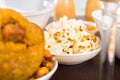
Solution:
(71, 53)
(97, 15)
(49, 75)
(41, 16)
(72, 59)
(24, 5)
(36, 11)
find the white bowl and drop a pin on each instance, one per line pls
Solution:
(49, 75)
(97, 15)
(23, 5)
(72, 59)
(36, 11)
(40, 17)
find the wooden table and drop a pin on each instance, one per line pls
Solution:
(88, 70)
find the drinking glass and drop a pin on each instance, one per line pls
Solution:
(108, 35)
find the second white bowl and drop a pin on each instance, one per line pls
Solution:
(72, 59)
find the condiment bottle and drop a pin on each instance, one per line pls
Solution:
(91, 5)
(64, 8)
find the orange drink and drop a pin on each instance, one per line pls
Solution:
(64, 8)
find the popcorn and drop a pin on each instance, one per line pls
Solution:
(70, 36)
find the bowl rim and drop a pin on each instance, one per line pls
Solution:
(51, 72)
(79, 54)
(48, 7)
(94, 13)
(84, 21)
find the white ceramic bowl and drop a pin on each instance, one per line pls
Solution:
(23, 5)
(72, 59)
(97, 15)
(40, 17)
(49, 75)
(36, 11)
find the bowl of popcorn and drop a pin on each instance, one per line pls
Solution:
(72, 41)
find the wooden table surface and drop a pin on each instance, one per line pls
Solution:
(88, 70)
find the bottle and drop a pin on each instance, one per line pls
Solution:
(91, 5)
(64, 8)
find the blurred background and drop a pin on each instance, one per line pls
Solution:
(79, 6)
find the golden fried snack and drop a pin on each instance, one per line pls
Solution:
(21, 46)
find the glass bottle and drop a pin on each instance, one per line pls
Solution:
(64, 8)
(91, 5)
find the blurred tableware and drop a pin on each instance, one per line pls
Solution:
(50, 74)
(24, 5)
(117, 33)
(97, 15)
(36, 11)
(108, 33)
(41, 16)
(64, 8)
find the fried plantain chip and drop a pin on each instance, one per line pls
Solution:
(21, 46)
